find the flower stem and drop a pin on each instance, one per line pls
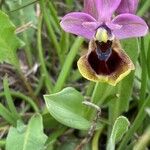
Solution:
(9, 99)
(144, 73)
(100, 92)
(95, 141)
(67, 64)
(25, 37)
(50, 29)
(144, 8)
(148, 62)
(23, 97)
(5, 113)
(44, 72)
(23, 78)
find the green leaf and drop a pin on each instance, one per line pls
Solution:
(67, 108)
(9, 99)
(132, 49)
(148, 111)
(119, 129)
(4, 112)
(8, 40)
(30, 137)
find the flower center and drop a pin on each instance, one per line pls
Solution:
(105, 67)
(103, 39)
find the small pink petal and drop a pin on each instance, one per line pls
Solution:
(75, 23)
(91, 25)
(113, 26)
(132, 26)
(127, 6)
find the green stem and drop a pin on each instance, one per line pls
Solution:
(143, 141)
(148, 61)
(50, 29)
(100, 92)
(135, 125)
(24, 80)
(40, 85)
(9, 99)
(25, 37)
(44, 71)
(28, 50)
(2, 143)
(90, 88)
(23, 97)
(95, 141)
(28, 86)
(144, 73)
(67, 64)
(64, 43)
(145, 7)
(7, 115)
(54, 14)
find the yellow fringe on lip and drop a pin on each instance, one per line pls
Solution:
(126, 66)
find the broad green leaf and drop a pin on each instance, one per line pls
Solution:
(125, 87)
(30, 137)
(8, 40)
(132, 49)
(67, 108)
(120, 127)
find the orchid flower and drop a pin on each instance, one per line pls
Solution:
(105, 61)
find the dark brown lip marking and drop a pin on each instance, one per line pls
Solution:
(113, 70)
(103, 50)
(103, 47)
(104, 67)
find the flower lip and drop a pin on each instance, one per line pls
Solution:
(102, 67)
(104, 60)
(111, 71)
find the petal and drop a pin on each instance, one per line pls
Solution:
(106, 8)
(74, 23)
(132, 26)
(90, 8)
(112, 71)
(127, 6)
(113, 26)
